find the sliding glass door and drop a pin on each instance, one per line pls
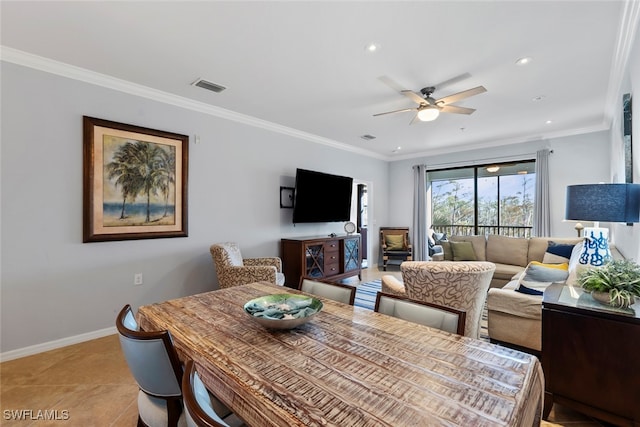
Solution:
(487, 199)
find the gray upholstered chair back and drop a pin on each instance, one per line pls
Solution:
(202, 409)
(428, 314)
(334, 291)
(154, 364)
(457, 284)
(151, 366)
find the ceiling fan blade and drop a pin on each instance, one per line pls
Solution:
(461, 95)
(456, 109)
(404, 110)
(415, 120)
(414, 97)
(391, 83)
(452, 80)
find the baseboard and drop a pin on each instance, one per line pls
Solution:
(52, 345)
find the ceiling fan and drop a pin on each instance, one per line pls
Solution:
(429, 109)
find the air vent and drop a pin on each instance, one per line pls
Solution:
(368, 137)
(204, 84)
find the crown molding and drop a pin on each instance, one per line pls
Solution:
(47, 65)
(629, 22)
(507, 141)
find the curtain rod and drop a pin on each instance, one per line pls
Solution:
(502, 159)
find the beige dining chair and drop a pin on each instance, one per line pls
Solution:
(202, 409)
(331, 290)
(424, 313)
(233, 270)
(155, 365)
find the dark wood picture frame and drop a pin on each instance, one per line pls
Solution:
(134, 182)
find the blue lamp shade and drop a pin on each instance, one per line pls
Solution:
(603, 202)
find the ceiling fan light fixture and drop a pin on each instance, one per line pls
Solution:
(428, 114)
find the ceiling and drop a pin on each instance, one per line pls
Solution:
(302, 68)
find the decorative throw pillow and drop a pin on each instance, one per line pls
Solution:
(537, 276)
(463, 251)
(446, 250)
(394, 242)
(557, 253)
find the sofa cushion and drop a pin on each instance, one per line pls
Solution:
(507, 271)
(478, 242)
(463, 251)
(507, 250)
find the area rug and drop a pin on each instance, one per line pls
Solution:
(366, 298)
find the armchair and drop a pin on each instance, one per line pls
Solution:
(394, 243)
(457, 284)
(233, 270)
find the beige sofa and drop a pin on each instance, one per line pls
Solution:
(511, 255)
(515, 319)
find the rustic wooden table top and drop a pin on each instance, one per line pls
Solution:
(348, 366)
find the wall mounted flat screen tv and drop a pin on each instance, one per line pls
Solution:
(321, 197)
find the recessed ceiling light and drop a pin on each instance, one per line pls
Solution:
(524, 61)
(372, 47)
(549, 122)
(397, 149)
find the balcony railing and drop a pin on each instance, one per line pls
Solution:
(468, 230)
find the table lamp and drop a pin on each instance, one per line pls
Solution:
(601, 202)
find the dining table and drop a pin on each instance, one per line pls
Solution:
(347, 366)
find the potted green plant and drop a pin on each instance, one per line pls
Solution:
(615, 283)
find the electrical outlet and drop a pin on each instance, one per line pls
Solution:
(137, 279)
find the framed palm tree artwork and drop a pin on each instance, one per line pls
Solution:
(135, 182)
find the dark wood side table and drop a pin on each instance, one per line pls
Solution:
(591, 355)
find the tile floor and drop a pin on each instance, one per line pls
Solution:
(89, 384)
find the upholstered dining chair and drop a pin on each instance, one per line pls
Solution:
(155, 365)
(201, 408)
(233, 270)
(424, 313)
(331, 290)
(462, 285)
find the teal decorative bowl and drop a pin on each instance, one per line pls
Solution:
(283, 311)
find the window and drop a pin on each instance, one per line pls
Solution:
(488, 199)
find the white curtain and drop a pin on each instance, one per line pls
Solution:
(420, 245)
(542, 214)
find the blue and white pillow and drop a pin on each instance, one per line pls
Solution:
(537, 276)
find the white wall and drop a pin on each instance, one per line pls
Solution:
(580, 159)
(54, 286)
